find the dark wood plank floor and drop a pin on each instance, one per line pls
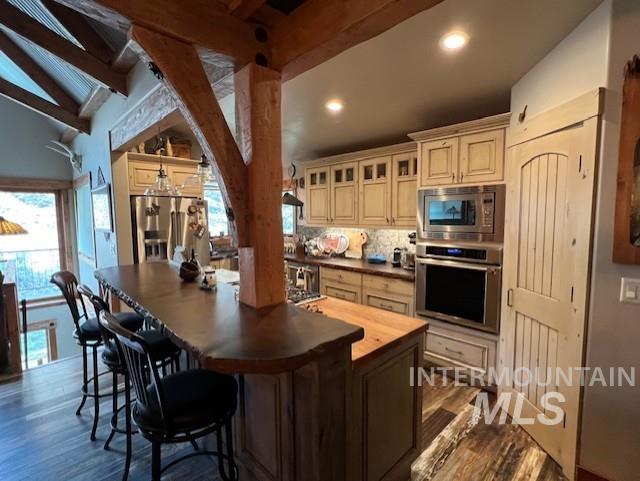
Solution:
(41, 439)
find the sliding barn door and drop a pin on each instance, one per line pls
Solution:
(547, 250)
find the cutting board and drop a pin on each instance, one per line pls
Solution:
(356, 241)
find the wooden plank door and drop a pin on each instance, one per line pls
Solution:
(404, 189)
(439, 162)
(547, 247)
(375, 191)
(318, 195)
(344, 194)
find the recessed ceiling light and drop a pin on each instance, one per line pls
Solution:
(334, 106)
(454, 40)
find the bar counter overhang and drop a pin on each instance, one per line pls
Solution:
(320, 399)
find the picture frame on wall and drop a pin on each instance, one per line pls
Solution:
(626, 238)
(101, 206)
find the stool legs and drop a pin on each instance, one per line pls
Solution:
(85, 378)
(96, 394)
(114, 404)
(127, 410)
(156, 461)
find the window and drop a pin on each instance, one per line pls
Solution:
(34, 256)
(218, 224)
(288, 217)
(41, 344)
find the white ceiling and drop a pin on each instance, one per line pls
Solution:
(401, 81)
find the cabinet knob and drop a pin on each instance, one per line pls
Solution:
(461, 176)
(453, 176)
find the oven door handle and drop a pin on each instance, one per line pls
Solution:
(458, 264)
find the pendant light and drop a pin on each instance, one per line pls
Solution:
(204, 175)
(162, 186)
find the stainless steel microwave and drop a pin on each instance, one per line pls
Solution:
(473, 213)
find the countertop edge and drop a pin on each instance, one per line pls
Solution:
(366, 268)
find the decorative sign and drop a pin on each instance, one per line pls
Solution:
(101, 200)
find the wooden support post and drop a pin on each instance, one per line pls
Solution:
(259, 136)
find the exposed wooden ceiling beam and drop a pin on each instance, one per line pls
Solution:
(81, 30)
(198, 22)
(37, 73)
(32, 30)
(187, 81)
(243, 9)
(320, 29)
(43, 106)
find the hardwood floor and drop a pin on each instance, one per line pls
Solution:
(41, 439)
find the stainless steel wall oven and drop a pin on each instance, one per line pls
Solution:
(460, 284)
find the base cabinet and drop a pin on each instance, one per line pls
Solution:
(341, 284)
(451, 346)
(388, 294)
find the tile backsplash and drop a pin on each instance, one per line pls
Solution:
(381, 241)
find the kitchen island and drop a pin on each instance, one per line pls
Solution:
(320, 399)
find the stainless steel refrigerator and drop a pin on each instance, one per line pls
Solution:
(162, 224)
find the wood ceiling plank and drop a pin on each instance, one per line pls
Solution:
(244, 9)
(32, 30)
(81, 30)
(43, 106)
(37, 73)
(321, 29)
(200, 108)
(198, 22)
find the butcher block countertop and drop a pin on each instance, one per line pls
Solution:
(383, 330)
(355, 265)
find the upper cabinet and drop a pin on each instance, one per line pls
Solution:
(343, 200)
(375, 191)
(317, 181)
(438, 162)
(466, 153)
(404, 175)
(143, 171)
(370, 188)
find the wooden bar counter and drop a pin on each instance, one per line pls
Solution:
(323, 397)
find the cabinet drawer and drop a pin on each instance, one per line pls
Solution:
(459, 351)
(393, 305)
(385, 284)
(344, 277)
(339, 293)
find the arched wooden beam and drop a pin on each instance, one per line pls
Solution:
(252, 174)
(187, 81)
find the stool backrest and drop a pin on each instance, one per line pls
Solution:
(68, 285)
(99, 305)
(140, 365)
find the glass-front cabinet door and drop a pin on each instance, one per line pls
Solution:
(375, 191)
(404, 189)
(318, 195)
(344, 194)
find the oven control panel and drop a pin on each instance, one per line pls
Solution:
(457, 252)
(484, 254)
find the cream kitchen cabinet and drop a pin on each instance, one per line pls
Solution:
(374, 204)
(179, 174)
(143, 171)
(404, 177)
(388, 294)
(438, 162)
(343, 201)
(482, 157)
(341, 284)
(318, 195)
(467, 153)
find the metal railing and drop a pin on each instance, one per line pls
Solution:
(33, 269)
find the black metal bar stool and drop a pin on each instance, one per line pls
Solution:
(165, 353)
(88, 335)
(180, 407)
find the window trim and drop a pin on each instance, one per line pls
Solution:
(60, 189)
(49, 326)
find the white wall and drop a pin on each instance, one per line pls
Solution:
(610, 441)
(23, 136)
(96, 151)
(594, 56)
